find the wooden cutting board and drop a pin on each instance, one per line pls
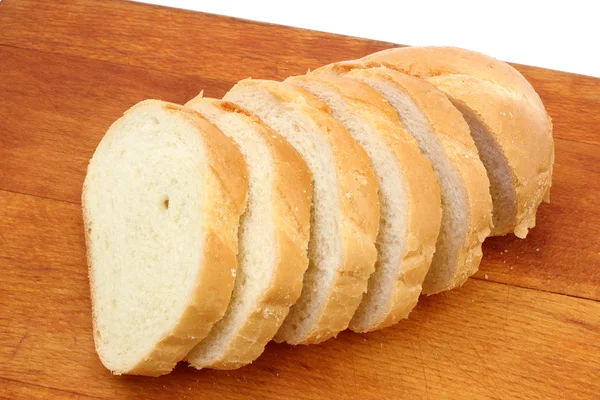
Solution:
(526, 326)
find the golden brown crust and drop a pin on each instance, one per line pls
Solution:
(291, 196)
(422, 194)
(359, 205)
(429, 61)
(224, 202)
(504, 103)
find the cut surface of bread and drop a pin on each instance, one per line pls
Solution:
(161, 203)
(273, 239)
(443, 136)
(345, 208)
(507, 119)
(409, 197)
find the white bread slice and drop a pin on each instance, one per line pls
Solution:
(273, 239)
(344, 214)
(444, 138)
(508, 122)
(409, 197)
(161, 203)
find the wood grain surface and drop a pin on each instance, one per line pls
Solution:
(527, 326)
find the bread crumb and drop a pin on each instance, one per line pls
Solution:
(348, 195)
(485, 276)
(538, 249)
(506, 251)
(267, 312)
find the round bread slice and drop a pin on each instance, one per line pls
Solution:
(273, 239)
(443, 136)
(409, 197)
(507, 119)
(161, 202)
(344, 214)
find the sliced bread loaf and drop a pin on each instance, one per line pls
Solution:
(161, 202)
(508, 122)
(409, 197)
(273, 239)
(344, 214)
(444, 138)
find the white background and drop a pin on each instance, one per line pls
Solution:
(562, 35)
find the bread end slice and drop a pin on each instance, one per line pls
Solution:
(508, 122)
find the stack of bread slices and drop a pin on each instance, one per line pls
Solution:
(291, 211)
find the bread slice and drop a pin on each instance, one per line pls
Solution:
(345, 209)
(161, 202)
(443, 136)
(409, 197)
(273, 239)
(508, 122)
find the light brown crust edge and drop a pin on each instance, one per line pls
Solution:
(227, 190)
(472, 79)
(421, 193)
(292, 196)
